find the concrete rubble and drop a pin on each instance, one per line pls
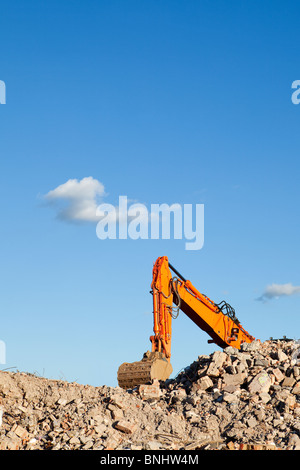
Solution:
(229, 400)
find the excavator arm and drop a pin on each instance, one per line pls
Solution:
(170, 295)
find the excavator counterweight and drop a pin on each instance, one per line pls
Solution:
(170, 295)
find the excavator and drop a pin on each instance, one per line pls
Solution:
(172, 293)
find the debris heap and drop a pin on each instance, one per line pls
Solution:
(230, 399)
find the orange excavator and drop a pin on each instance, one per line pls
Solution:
(170, 295)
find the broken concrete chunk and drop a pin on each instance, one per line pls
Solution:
(279, 376)
(21, 432)
(234, 379)
(260, 383)
(126, 426)
(296, 389)
(281, 355)
(178, 395)
(151, 391)
(254, 346)
(205, 383)
(229, 399)
(217, 361)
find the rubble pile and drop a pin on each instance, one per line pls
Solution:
(248, 399)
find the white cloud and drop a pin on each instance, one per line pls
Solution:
(82, 198)
(278, 290)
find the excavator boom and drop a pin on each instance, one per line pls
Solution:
(170, 295)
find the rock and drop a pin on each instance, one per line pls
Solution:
(213, 370)
(279, 376)
(153, 445)
(21, 432)
(260, 383)
(254, 346)
(229, 399)
(236, 379)
(296, 389)
(205, 383)
(113, 441)
(150, 392)
(126, 426)
(264, 397)
(288, 382)
(74, 441)
(281, 355)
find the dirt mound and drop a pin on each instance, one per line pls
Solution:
(227, 400)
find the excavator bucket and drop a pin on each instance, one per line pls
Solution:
(154, 365)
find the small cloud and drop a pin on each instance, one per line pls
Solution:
(275, 291)
(82, 201)
(77, 200)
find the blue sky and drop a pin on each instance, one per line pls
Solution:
(183, 102)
